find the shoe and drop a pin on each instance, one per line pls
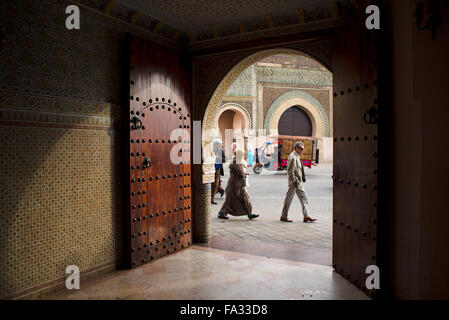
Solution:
(222, 216)
(221, 193)
(286, 219)
(309, 219)
(213, 202)
(252, 216)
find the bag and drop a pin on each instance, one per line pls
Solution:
(223, 157)
(303, 174)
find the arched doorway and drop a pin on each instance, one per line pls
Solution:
(267, 191)
(321, 125)
(354, 177)
(295, 122)
(232, 125)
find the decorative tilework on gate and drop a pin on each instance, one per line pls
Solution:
(300, 94)
(299, 76)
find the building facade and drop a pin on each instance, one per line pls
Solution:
(256, 101)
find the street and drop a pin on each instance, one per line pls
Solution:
(267, 192)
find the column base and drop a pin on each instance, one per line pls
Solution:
(201, 212)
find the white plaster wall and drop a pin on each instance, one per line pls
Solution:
(326, 146)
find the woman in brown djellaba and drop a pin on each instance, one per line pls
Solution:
(237, 201)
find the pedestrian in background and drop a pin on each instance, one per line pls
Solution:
(237, 201)
(296, 180)
(219, 160)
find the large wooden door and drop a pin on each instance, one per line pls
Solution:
(158, 217)
(295, 122)
(355, 221)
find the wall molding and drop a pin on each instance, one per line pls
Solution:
(18, 108)
(46, 288)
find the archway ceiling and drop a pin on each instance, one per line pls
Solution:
(195, 21)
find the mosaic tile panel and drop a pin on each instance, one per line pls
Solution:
(35, 102)
(292, 61)
(242, 85)
(201, 221)
(61, 203)
(39, 55)
(60, 90)
(300, 76)
(270, 94)
(290, 73)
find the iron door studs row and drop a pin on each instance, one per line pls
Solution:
(356, 89)
(356, 138)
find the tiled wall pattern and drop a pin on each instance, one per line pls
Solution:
(292, 61)
(60, 195)
(293, 70)
(39, 55)
(61, 203)
(299, 76)
(242, 85)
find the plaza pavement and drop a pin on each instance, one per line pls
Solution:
(267, 192)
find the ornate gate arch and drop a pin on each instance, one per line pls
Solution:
(235, 107)
(313, 108)
(209, 130)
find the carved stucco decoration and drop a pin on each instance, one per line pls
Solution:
(213, 132)
(236, 107)
(210, 70)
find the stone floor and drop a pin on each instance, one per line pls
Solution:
(199, 273)
(267, 192)
(272, 249)
(245, 259)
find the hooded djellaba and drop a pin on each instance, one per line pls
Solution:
(237, 201)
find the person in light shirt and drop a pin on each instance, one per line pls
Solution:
(296, 180)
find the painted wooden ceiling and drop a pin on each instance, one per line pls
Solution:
(197, 16)
(203, 20)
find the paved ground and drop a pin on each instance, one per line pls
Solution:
(267, 192)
